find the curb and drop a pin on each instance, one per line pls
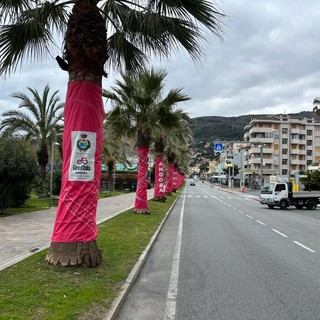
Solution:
(125, 289)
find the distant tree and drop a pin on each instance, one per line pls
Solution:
(312, 181)
(316, 104)
(40, 123)
(18, 169)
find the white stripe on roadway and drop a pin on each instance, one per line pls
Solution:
(261, 222)
(170, 312)
(249, 216)
(303, 246)
(281, 234)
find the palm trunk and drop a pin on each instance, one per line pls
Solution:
(141, 201)
(75, 229)
(169, 181)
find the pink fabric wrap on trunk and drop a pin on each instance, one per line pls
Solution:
(82, 146)
(169, 184)
(159, 182)
(141, 201)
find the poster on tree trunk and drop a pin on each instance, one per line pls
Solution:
(83, 148)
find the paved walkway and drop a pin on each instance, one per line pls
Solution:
(24, 234)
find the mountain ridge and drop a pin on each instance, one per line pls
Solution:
(208, 129)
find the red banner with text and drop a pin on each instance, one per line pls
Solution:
(159, 182)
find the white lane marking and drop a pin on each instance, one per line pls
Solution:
(229, 205)
(303, 246)
(249, 216)
(261, 222)
(205, 196)
(280, 233)
(241, 211)
(189, 196)
(170, 312)
(198, 196)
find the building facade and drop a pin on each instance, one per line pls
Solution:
(280, 146)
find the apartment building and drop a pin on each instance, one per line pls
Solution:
(280, 146)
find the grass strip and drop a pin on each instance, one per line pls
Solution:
(34, 290)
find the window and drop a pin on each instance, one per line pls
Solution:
(284, 130)
(284, 161)
(280, 187)
(309, 132)
(309, 152)
(284, 151)
(284, 141)
(309, 162)
(309, 142)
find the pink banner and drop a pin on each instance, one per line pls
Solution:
(169, 182)
(159, 182)
(175, 178)
(82, 146)
(141, 201)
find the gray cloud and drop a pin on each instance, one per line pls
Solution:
(267, 63)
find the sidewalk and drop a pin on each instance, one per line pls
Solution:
(25, 234)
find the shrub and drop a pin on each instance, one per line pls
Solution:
(18, 170)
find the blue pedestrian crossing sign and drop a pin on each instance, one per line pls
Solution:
(218, 147)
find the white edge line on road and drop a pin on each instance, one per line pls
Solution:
(261, 222)
(170, 312)
(280, 233)
(249, 216)
(303, 246)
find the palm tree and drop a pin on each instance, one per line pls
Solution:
(119, 33)
(316, 103)
(170, 121)
(176, 149)
(136, 103)
(41, 123)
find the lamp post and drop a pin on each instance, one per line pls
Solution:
(261, 165)
(51, 171)
(289, 149)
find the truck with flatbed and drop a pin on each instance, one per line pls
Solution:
(281, 195)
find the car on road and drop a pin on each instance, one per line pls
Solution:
(192, 183)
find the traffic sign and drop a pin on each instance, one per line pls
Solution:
(218, 147)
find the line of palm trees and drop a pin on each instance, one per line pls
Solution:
(140, 116)
(120, 34)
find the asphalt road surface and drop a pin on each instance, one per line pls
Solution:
(224, 256)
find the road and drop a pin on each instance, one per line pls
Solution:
(224, 256)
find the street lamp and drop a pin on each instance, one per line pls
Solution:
(51, 171)
(261, 165)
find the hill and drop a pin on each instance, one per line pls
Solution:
(207, 130)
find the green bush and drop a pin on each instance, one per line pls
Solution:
(18, 169)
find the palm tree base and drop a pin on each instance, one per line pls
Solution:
(169, 194)
(142, 211)
(67, 254)
(160, 198)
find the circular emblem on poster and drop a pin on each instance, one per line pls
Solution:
(83, 144)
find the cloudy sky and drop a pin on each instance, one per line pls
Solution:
(268, 62)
